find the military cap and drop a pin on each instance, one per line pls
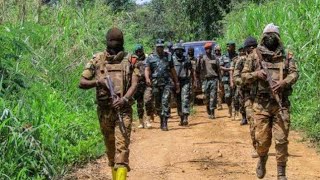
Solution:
(208, 45)
(179, 46)
(231, 43)
(160, 42)
(217, 47)
(138, 47)
(241, 47)
(250, 41)
(271, 28)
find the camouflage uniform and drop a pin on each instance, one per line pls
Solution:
(183, 68)
(226, 61)
(267, 113)
(120, 69)
(161, 85)
(143, 95)
(210, 68)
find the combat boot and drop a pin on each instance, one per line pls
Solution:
(114, 173)
(212, 115)
(281, 172)
(230, 111)
(243, 121)
(185, 120)
(141, 124)
(261, 167)
(165, 124)
(152, 118)
(161, 122)
(254, 153)
(121, 173)
(147, 123)
(181, 121)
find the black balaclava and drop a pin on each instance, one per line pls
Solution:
(114, 38)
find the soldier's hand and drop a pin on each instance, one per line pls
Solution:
(261, 74)
(278, 86)
(231, 84)
(148, 81)
(118, 103)
(177, 88)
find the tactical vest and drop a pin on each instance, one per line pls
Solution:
(278, 69)
(120, 73)
(211, 67)
(160, 69)
(181, 68)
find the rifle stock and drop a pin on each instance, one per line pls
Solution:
(115, 97)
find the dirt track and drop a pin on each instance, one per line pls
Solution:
(207, 149)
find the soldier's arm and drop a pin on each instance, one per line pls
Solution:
(248, 74)
(147, 71)
(236, 73)
(134, 84)
(87, 81)
(293, 73)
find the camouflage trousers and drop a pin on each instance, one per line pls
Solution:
(268, 123)
(227, 92)
(237, 98)
(162, 97)
(183, 98)
(144, 99)
(220, 94)
(117, 144)
(248, 103)
(210, 91)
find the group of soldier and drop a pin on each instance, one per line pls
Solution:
(257, 81)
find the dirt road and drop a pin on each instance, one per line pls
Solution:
(207, 149)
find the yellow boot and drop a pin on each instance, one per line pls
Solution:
(121, 173)
(114, 173)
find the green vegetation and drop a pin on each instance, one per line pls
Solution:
(47, 124)
(300, 31)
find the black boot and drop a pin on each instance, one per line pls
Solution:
(185, 120)
(181, 121)
(261, 167)
(281, 172)
(161, 122)
(165, 124)
(243, 121)
(212, 116)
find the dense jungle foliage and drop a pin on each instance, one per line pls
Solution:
(47, 124)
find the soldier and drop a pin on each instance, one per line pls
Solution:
(142, 91)
(238, 102)
(272, 74)
(170, 47)
(185, 73)
(195, 84)
(246, 90)
(217, 54)
(115, 63)
(159, 66)
(225, 66)
(210, 67)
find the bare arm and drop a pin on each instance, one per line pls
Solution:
(147, 73)
(133, 87)
(87, 84)
(174, 75)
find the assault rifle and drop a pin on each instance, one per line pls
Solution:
(115, 97)
(271, 82)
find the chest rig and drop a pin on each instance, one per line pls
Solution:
(119, 70)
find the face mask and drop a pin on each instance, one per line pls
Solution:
(271, 41)
(191, 54)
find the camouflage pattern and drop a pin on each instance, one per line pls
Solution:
(266, 112)
(226, 61)
(247, 95)
(210, 68)
(183, 68)
(220, 97)
(143, 94)
(161, 86)
(120, 69)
